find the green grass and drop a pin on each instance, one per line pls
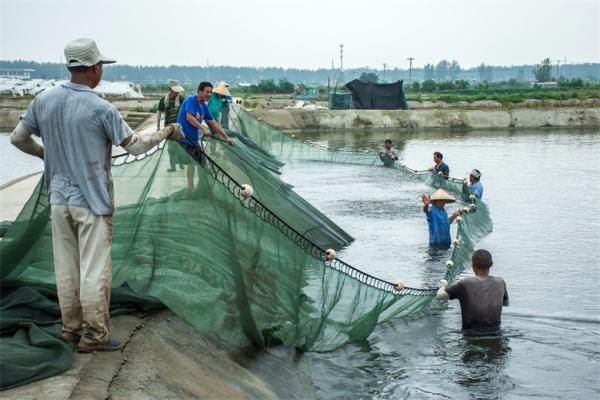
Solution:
(505, 96)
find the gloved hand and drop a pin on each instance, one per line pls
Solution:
(442, 283)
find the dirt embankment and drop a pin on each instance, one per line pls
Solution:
(432, 118)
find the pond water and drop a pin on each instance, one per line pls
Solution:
(543, 190)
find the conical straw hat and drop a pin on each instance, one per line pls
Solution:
(222, 89)
(441, 194)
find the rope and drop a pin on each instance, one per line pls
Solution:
(264, 213)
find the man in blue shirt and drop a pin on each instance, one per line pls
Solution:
(474, 186)
(440, 168)
(192, 113)
(437, 219)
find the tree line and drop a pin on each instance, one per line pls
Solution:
(443, 71)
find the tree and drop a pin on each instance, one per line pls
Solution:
(428, 73)
(285, 86)
(369, 77)
(454, 70)
(429, 85)
(543, 71)
(485, 72)
(415, 86)
(441, 70)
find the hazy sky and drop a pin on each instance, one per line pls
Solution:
(306, 33)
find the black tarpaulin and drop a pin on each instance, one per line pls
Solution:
(377, 96)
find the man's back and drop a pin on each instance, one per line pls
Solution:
(481, 301)
(77, 128)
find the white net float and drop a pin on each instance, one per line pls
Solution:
(247, 191)
(330, 254)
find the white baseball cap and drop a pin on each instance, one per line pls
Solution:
(84, 53)
(175, 86)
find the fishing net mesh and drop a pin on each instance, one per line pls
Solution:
(247, 269)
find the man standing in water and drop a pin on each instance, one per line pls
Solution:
(78, 128)
(481, 297)
(170, 104)
(440, 168)
(192, 113)
(473, 185)
(437, 218)
(388, 156)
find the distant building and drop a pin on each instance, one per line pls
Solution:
(544, 85)
(21, 73)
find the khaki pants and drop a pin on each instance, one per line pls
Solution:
(81, 243)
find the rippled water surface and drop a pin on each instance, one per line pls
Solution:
(543, 189)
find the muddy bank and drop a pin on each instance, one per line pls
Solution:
(431, 118)
(164, 358)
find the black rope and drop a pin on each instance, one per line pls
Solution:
(264, 213)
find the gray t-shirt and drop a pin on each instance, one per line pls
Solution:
(77, 128)
(481, 301)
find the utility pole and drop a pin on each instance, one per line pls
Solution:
(384, 67)
(341, 58)
(558, 69)
(410, 60)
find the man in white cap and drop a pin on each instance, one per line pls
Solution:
(170, 104)
(77, 128)
(473, 185)
(437, 218)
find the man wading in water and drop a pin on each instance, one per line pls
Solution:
(77, 128)
(481, 297)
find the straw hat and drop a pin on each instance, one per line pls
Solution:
(222, 89)
(175, 86)
(84, 53)
(441, 194)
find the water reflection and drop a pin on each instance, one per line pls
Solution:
(551, 342)
(483, 360)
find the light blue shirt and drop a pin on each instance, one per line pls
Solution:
(439, 226)
(476, 188)
(77, 128)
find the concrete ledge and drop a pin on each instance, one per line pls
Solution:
(436, 118)
(164, 358)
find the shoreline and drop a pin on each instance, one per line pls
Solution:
(412, 119)
(431, 119)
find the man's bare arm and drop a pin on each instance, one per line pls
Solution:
(138, 143)
(22, 140)
(217, 128)
(194, 122)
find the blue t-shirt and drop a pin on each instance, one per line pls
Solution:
(477, 189)
(443, 167)
(439, 226)
(200, 111)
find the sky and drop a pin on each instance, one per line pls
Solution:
(306, 33)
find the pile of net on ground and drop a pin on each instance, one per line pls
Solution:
(246, 269)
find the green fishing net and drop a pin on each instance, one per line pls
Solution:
(248, 269)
